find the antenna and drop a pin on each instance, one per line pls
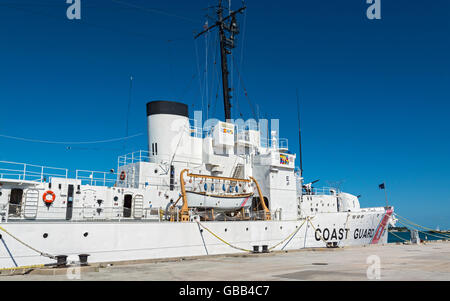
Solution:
(129, 106)
(299, 135)
(228, 29)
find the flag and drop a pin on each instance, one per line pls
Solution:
(381, 186)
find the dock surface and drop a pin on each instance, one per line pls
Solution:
(430, 261)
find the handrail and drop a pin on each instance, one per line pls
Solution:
(30, 172)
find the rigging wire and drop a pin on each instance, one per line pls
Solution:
(129, 106)
(213, 68)
(206, 70)
(82, 21)
(242, 53)
(199, 73)
(188, 86)
(246, 93)
(69, 142)
(153, 10)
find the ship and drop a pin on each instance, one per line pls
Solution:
(196, 190)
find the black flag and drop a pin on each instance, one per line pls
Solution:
(381, 186)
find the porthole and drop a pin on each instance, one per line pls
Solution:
(116, 199)
(85, 234)
(45, 235)
(156, 171)
(1, 193)
(265, 228)
(246, 229)
(201, 230)
(225, 229)
(281, 227)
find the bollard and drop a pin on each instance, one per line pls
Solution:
(61, 261)
(83, 259)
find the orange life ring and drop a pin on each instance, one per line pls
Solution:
(122, 176)
(47, 193)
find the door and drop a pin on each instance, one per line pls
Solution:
(69, 208)
(127, 205)
(15, 202)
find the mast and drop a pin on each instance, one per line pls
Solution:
(228, 29)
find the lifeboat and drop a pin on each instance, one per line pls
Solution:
(222, 202)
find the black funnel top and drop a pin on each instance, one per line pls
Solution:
(167, 107)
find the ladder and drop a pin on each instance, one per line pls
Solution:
(238, 171)
(31, 203)
(138, 206)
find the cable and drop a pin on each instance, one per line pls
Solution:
(245, 93)
(406, 220)
(426, 233)
(68, 142)
(152, 10)
(41, 253)
(82, 21)
(397, 236)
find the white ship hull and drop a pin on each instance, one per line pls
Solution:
(121, 241)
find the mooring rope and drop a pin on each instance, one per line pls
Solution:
(23, 267)
(397, 236)
(320, 235)
(222, 240)
(289, 237)
(426, 233)
(405, 220)
(27, 245)
(246, 250)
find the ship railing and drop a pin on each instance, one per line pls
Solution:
(194, 130)
(158, 182)
(145, 156)
(96, 178)
(15, 212)
(278, 143)
(135, 157)
(321, 191)
(30, 172)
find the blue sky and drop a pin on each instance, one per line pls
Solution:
(374, 93)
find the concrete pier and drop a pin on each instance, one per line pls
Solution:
(430, 261)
